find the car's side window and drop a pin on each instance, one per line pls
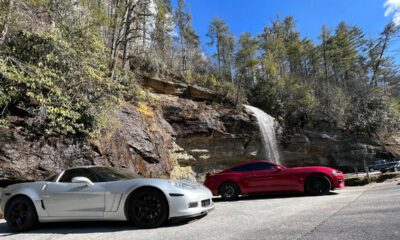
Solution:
(243, 168)
(259, 166)
(78, 172)
(263, 166)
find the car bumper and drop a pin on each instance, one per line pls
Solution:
(190, 203)
(338, 183)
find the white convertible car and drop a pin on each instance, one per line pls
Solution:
(100, 193)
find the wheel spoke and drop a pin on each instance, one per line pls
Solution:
(140, 215)
(148, 209)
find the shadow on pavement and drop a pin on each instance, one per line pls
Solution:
(270, 196)
(87, 227)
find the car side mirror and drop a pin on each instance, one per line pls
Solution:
(278, 168)
(84, 180)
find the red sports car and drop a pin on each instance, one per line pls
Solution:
(266, 177)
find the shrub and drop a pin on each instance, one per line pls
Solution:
(65, 82)
(372, 112)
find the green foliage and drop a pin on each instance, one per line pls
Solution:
(331, 84)
(395, 105)
(293, 102)
(65, 64)
(147, 64)
(332, 108)
(43, 72)
(373, 112)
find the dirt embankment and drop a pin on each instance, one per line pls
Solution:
(377, 178)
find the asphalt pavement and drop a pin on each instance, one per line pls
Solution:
(369, 212)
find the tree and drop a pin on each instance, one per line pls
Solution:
(163, 27)
(188, 38)
(246, 62)
(218, 33)
(224, 42)
(377, 53)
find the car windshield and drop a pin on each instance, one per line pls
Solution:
(52, 178)
(111, 174)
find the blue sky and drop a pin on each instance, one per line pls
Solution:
(310, 15)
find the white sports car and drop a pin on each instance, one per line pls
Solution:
(101, 193)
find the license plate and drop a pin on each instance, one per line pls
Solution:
(205, 203)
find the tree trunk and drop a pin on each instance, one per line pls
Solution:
(127, 31)
(378, 63)
(144, 28)
(183, 52)
(325, 59)
(218, 54)
(4, 31)
(114, 40)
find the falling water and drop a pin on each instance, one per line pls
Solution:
(268, 137)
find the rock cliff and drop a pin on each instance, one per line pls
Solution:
(180, 138)
(337, 148)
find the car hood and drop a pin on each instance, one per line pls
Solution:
(158, 182)
(314, 168)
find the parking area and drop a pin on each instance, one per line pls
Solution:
(369, 212)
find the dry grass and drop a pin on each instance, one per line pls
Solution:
(145, 110)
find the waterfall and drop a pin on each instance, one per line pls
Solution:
(266, 124)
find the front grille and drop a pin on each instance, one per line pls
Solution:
(206, 203)
(193, 204)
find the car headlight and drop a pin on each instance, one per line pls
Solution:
(335, 173)
(183, 185)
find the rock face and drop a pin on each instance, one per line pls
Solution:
(336, 148)
(180, 138)
(137, 143)
(212, 137)
(182, 90)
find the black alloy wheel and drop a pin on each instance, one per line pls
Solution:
(149, 209)
(229, 191)
(318, 185)
(21, 214)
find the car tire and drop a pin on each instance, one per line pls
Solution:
(229, 191)
(148, 208)
(318, 185)
(21, 214)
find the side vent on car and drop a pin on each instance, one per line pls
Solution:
(41, 201)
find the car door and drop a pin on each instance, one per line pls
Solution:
(264, 177)
(66, 199)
